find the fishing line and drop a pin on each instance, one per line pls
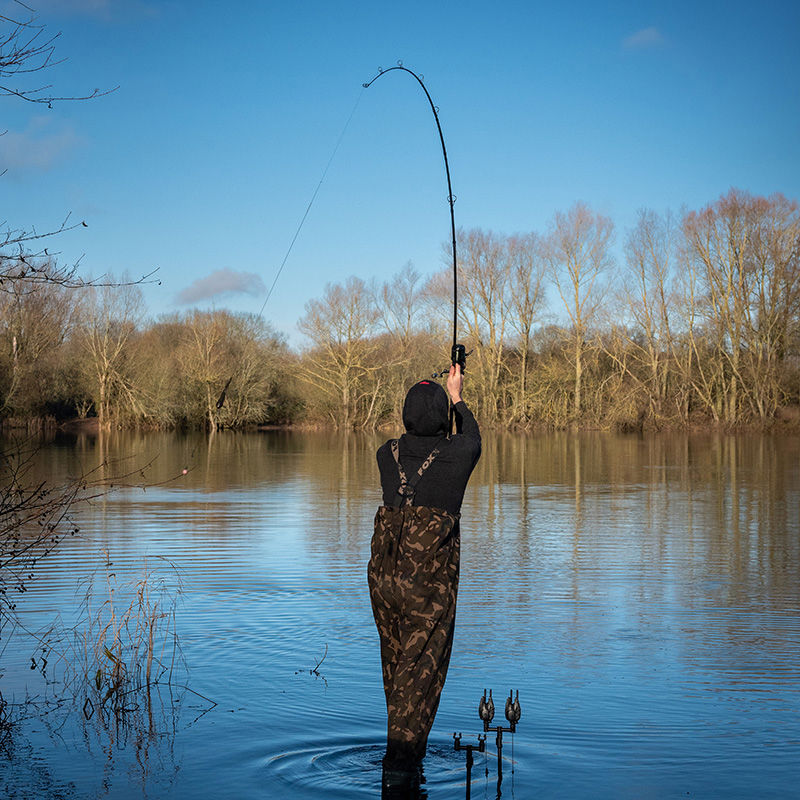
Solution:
(311, 202)
(458, 352)
(221, 400)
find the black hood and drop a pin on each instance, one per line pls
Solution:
(426, 409)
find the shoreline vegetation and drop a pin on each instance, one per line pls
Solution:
(786, 420)
(698, 327)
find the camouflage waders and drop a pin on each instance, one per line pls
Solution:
(413, 581)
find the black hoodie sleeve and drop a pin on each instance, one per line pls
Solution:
(465, 422)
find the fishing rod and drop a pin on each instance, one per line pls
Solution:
(458, 354)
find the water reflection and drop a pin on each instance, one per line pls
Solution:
(49, 736)
(598, 572)
(403, 785)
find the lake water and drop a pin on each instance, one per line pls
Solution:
(641, 593)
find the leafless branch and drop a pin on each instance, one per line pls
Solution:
(26, 48)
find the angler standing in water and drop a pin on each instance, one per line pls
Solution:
(413, 570)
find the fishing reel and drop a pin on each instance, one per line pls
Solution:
(458, 355)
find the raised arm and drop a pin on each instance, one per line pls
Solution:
(465, 421)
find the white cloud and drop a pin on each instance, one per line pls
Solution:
(42, 145)
(221, 281)
(643, 39)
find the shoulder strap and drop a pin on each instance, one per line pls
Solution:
(407, 488)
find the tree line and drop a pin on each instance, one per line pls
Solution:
(698, 323)
(90, 352)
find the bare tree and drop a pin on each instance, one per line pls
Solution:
(578, 254)
(642, 350)
(111, 315)
(158, 376)
(33, 516)
(27, 52)
(407, 351)
(773, 312)
(746, 251)
(256, 355)
(340, 362)
(204, 362)
(33, 325)
(526, 271)
(483, 277)
(27, 48)
(399, 304)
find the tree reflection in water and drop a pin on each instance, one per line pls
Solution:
(134, 746)
(598, 571)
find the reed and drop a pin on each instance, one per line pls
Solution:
(126, 639)
(114, 681)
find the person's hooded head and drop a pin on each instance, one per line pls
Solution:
(426, 409)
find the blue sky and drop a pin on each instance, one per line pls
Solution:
(203, 161)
